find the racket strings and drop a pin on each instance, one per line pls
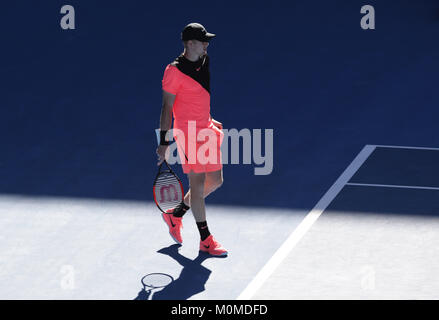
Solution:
(168, 191)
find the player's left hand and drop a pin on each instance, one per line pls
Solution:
(162, 153)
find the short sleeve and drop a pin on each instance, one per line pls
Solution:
(171, 80)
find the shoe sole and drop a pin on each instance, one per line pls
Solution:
(215, 255)
(173, 238)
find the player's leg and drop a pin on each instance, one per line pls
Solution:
(207, 241)
(196, 195)
(173, 217)
(213, 181)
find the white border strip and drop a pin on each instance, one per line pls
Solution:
(390, 186)
(404, 147)
(305, 225)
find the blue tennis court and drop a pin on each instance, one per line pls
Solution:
(373, 235)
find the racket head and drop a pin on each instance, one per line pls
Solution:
(167, 189)
(156, 280)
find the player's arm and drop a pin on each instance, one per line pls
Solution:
(166, 115)
(165, 123)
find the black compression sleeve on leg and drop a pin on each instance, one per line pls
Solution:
(180, 211)
(203, 229)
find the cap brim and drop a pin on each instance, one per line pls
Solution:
(209, 36)
(205, 38)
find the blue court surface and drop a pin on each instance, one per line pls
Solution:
(373, 235)
(349, 211)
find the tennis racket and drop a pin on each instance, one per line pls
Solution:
(153, 281)
(167, 188)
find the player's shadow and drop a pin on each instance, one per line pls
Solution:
(191, 280)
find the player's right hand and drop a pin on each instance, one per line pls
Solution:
(162, 153)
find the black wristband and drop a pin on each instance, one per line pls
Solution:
(163, 141)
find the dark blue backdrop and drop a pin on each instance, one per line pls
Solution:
(79, 107)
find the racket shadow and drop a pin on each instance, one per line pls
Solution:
(192, 278)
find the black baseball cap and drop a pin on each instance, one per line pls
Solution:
(195, 31)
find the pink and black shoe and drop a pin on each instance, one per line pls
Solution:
(212, 247)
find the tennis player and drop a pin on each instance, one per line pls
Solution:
(186, 95)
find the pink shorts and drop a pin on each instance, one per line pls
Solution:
(199, 149)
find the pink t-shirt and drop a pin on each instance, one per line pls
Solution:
(192, 101)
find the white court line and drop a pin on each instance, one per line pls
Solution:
(406, 147)
(305, 225)
(390, 186)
